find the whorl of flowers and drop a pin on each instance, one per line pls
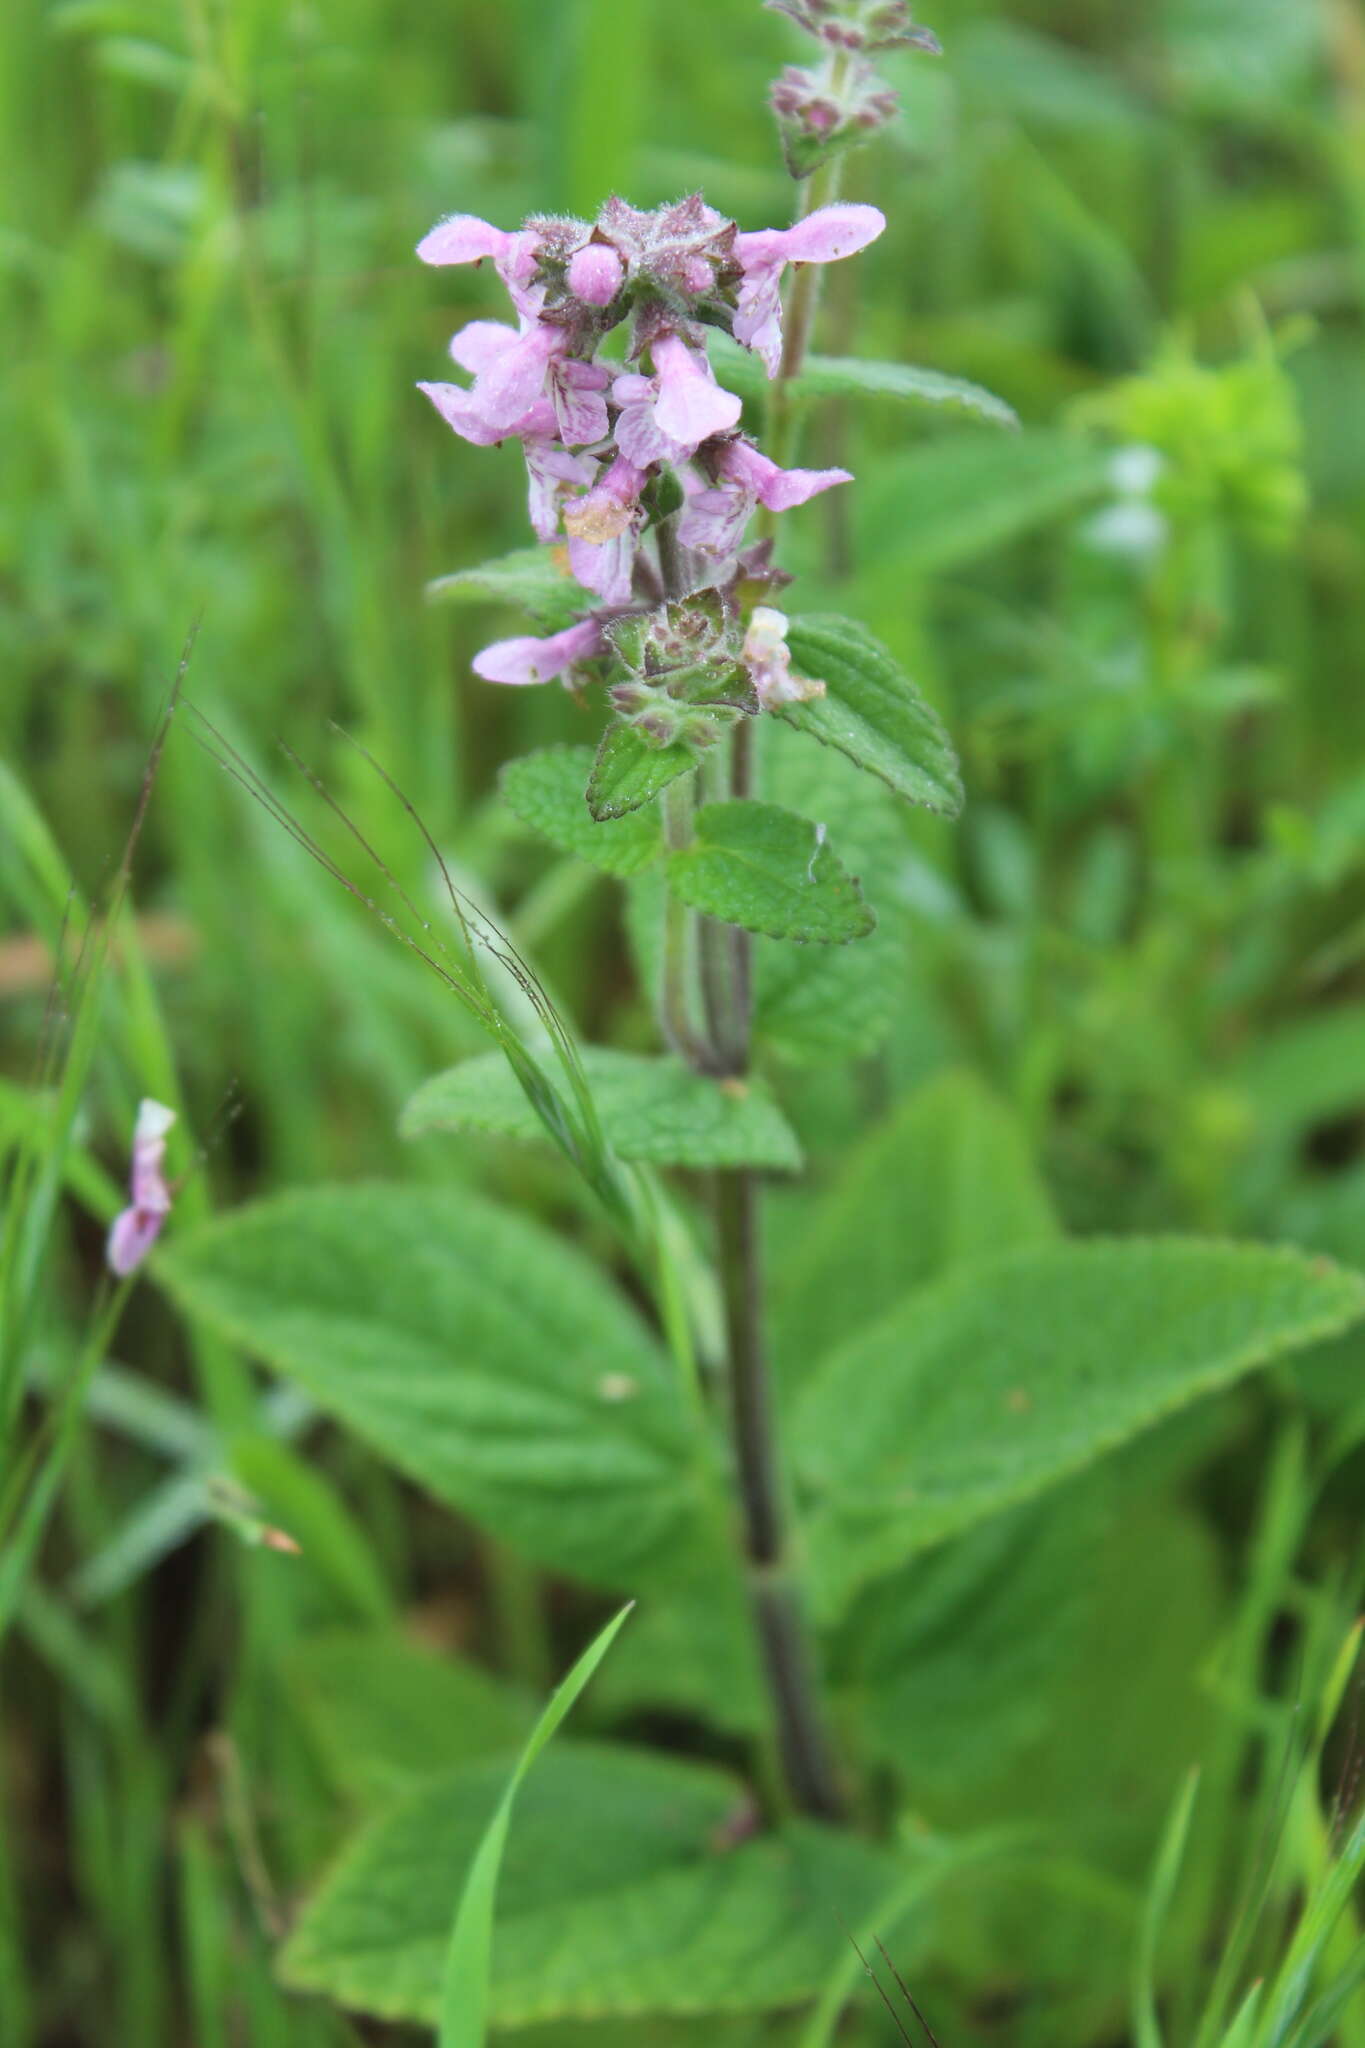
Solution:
(616, 451)
(841, 100)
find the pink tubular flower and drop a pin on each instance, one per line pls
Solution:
(527, 660)
(665, 418)
(602, 527)
(714, 520)
(463, 238)
(136, 1229)
(826, 236)
(551, 473)
(524, 383)
(691, 406)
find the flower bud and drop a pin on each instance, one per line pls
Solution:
(595, 274)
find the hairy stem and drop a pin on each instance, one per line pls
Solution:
(676, 1004)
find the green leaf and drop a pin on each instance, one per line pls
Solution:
(483, 1357)
(469, 1957)
(999, 1381)
(756, 865)
(531, 578)
(816, 1003)
(873, 713)
(962, 495)
(850, 377)
(945, 1179)
(655, 1110)
(628, 772)
(548, 792)
(618, 1896)
(384, 1712)
(692, 1653)
(951, 1659)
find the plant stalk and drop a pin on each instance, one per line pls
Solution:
(784, 1642)
(722, 964)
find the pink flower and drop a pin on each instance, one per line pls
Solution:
(552, 472)
(463, 238)
(136, 1229)
(691, 406)
(602, 528)
(714, 520)
(768, 660)
(527, 660)
(595, 273)
(665, 418)
(524, 383)
(826, 236)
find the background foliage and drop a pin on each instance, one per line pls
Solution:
(1123, 995)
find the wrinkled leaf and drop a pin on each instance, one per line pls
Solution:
(618, 1895)
(651, 1109)
(945, 1179)
(487, 1360)
(384, 1712)
(996, 1383)
(756, 865)
(872, 712)
(628, 772)
(547, 791)
(815, 1003)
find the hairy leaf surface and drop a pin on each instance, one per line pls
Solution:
(996, 1383)
(618, 1895)
(814, 1003)
(873, 713)
(547, 792)
(756, 865)
(629, 773)
(384, 1712)
(487, 1360)
(656, 1110)
(947, 1178)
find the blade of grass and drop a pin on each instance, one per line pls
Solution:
(1147, 2031)
(469, 1958)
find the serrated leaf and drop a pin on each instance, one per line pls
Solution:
(655, 1110)
(483, 1357)
(872, 713)
(616, 1897)
(384, 1711)
(815, 1003)
(946, 1179)
(548, 791)
(738, 369)
(532, 578)
(758, 866)
(628, 772)
(950, 1658)
(996, 1383)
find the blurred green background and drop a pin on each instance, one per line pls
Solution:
(1141, 225)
